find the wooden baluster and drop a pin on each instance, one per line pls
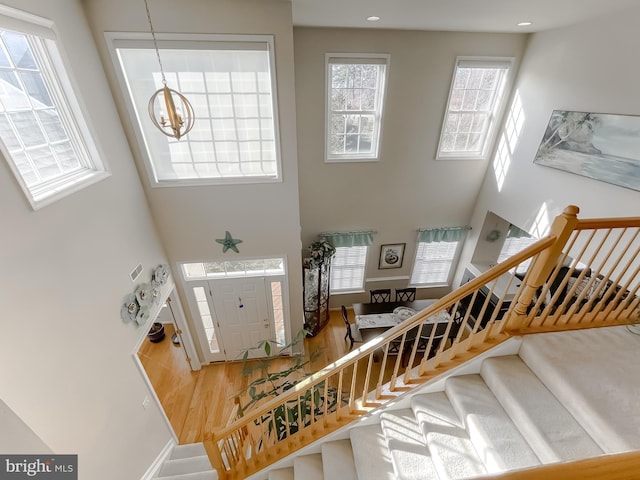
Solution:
(396, 366)
(383, 365)
(352, 390)
(365, 388)
(301, 415)
(338, 410)
(325, 404)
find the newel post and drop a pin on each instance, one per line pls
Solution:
(215, 456)
(561, 228)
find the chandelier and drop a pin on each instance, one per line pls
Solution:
(169, 110)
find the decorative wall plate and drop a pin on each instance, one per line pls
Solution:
(160, 275)
(154, 292)
(137, 305)
(130, 308)
(143, 294)
(143, 315)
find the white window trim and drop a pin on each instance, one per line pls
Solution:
(498, 113)
(282, 278)
(51, 55)
(384, 59)
(120, 39)
(265, 274)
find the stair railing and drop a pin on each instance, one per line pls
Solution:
(618, 466)
(593, 281)
(584, 274)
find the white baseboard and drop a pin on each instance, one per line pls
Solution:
(157, 463)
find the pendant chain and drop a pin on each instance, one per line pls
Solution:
(155, 43)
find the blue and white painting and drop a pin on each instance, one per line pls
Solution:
(601, 146)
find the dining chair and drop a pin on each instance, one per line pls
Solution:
(348, 325)
(381, 295)
(405, 294)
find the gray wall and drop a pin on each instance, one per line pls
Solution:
(589, 67)
(66, 364)
(407, 189)
(16, 436)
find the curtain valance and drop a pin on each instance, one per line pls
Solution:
(348, 239)
(450, 234)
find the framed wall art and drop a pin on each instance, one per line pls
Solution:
(391, 255)
(605, 147)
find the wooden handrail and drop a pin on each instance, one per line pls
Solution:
(611, 272)
(499, 270)
(602, 223)
(620, 466)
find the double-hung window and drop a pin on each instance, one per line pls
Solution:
(347, 269)
(349, 261)
(436, 253)
(230, 82)
(355, 97)
(475, 101)
(44, 135)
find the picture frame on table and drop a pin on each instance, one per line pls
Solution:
(391, 255)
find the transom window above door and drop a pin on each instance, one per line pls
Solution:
(230, 82)
(355, 97)
(261, 267)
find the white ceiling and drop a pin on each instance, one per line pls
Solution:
(457, 15)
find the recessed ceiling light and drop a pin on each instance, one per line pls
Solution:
(373, 18)
(524, 24)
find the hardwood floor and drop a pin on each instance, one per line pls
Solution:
(196, 402)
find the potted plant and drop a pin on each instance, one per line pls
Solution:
(321, 251)
(285, 418)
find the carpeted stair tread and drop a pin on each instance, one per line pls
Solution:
(407, 446)
(337, 460)
(608, 409)
(187, 450)
(371, 454)
(281, 474)
(181, 466)
(551, 431)
(452, 452)
(208, 475)
(497, 440)
(308, 467)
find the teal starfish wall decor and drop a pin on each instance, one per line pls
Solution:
(228, 242)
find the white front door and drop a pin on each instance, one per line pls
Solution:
(243, 315)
